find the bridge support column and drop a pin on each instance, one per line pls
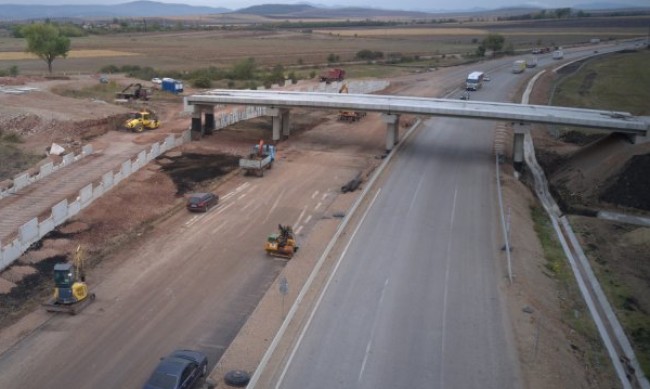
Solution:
(286, 129)
(196, 127)
(277, 121)
(518, 148)
(638, 139)
(392, 130)
(209, 119)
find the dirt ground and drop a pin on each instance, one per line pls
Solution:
(552, 354)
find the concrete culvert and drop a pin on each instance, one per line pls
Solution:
(237, 378)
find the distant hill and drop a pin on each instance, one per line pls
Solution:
(309, 11)
(607, 6)
(140, 9)
(276, 9)
(17, 12)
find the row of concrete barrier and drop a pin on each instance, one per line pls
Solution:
(23, 179)
(34, 230)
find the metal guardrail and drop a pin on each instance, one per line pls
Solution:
(611, 332)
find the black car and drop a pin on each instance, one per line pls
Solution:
(202, 201)
(182, 369)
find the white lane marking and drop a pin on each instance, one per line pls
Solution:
(372, 333)
(237, 190)
(324, 196)
(222, 225)
(302, 213)
(247, 205)
(298, 230)
(445, 294)
(242, 186)
(275, 204)
(225, 207)
(317, 206)
(307, 219)
(314, 195)
(322, 293)
(242, 196)
(253, 210)
(192, 220)
(415, 195)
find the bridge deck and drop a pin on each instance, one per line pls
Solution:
(609, 120)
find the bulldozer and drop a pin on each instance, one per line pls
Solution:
(282, 244)
(139, 121)
(349, 116)
(71, 293)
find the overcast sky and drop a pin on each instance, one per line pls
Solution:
(386, 4)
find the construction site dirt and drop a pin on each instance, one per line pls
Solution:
(141, 214)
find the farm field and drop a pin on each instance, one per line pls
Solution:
(189, 50)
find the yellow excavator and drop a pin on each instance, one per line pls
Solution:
(349, 116)
(283, 244)
(70, 289)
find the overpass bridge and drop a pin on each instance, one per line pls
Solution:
(279, 103)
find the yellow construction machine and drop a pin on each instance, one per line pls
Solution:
(139, 121)
(283, 244)
(349, 116)
(70, 289)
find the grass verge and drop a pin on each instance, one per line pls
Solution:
(583, 337)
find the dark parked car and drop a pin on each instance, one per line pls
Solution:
(202, 201)
(180, 370)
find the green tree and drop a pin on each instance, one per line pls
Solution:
(46, 42)
(13, 71)
(277, 74)
(244, 70)
(562, 13)
(493, 42)
(202, 82)
(332, 58)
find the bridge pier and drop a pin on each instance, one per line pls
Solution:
(198, 126)
(281, 122)
(209, 119)
(286, 130)
(392, 130)
(518, 148)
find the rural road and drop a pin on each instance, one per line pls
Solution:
(416, 300)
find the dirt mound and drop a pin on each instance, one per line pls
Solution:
(16, 273)
(584, 177)
(632, 186)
